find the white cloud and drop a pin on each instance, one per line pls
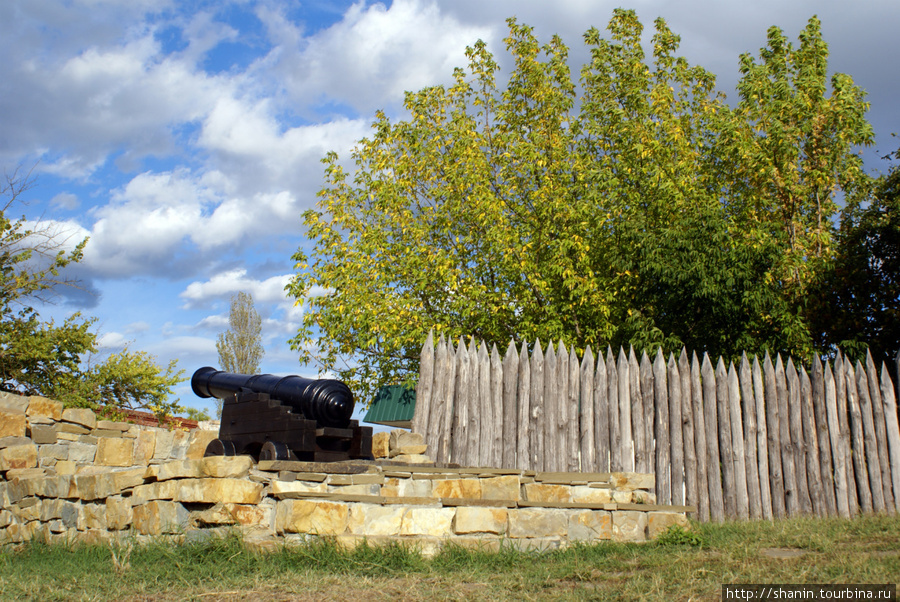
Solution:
(372, 56)
(65, 200)
(112, 340)
(226, 284)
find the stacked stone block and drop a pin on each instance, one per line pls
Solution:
(67, 476)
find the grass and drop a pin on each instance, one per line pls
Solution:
(683, 566)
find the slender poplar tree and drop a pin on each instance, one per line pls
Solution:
(240, 347)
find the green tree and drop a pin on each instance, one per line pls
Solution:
(654, 215)
(42, 358)
(240, 347)
(856, 302)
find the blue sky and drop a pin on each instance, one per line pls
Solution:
(184, 138)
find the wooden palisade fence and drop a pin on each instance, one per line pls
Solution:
(762, 439)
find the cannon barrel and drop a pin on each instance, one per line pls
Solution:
(328, 402)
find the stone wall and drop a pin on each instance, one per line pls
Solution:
(67, 476)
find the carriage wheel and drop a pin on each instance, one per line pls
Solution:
(217, 447)
(275, 450)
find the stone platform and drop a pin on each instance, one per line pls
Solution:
(65, 476)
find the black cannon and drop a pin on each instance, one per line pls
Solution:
(283, 417)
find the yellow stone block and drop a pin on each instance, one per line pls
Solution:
(119, 514)
(126, 479)
(180, 469)
(65, 467)
(544, 492)
(658, 522)
(435, 522)
(95, 516)
(629, 481)
(538, 522)
(629, 525)
(230, 514)
(506, 487)
(590, 495)
(93, 486)
(155, 518)
(144, 446)
(236, 467)
(12, 423)
(198, 440)
(480, 520)
(280, 487)
(308, 516)
(394, 487)
(380, 447)
(250, 514)
(375, 520)
(41, 406)
(457, 488)
(163, 490)
(19, 456)
(355, 489)
(115, 451)
(590, 525)
(235, 491)
(217, 515)
(83, 416)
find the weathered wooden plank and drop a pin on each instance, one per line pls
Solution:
(725, 444)
(648, 406)
(486, 407)
(496, 458)
(841, 484)
(699, 412)
(676, 425)
(845, 439)
(861, 472)
(811, 440)
(586, 426)
(572, 437)
(459, 452)
(627, 441)
(509, 428)
(892, 427)
(788, 474)
(795, 411)
(773, 426)
(880, 432)
(663, 448)
(432, 432)
(616, 461)
(640, 418)
(841, 495)
(762, 441)
(713, 462)
(562, 408)
(601, 415)
(826, 463)
(751, 464)
(873, 464)
(641, 424)
(474, 401)
(536, 402)
(442, 454)
(523, 393)
(551, 408)
(738, 453)
(691, 492)
(423, 387)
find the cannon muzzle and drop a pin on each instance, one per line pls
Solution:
(328, 402)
